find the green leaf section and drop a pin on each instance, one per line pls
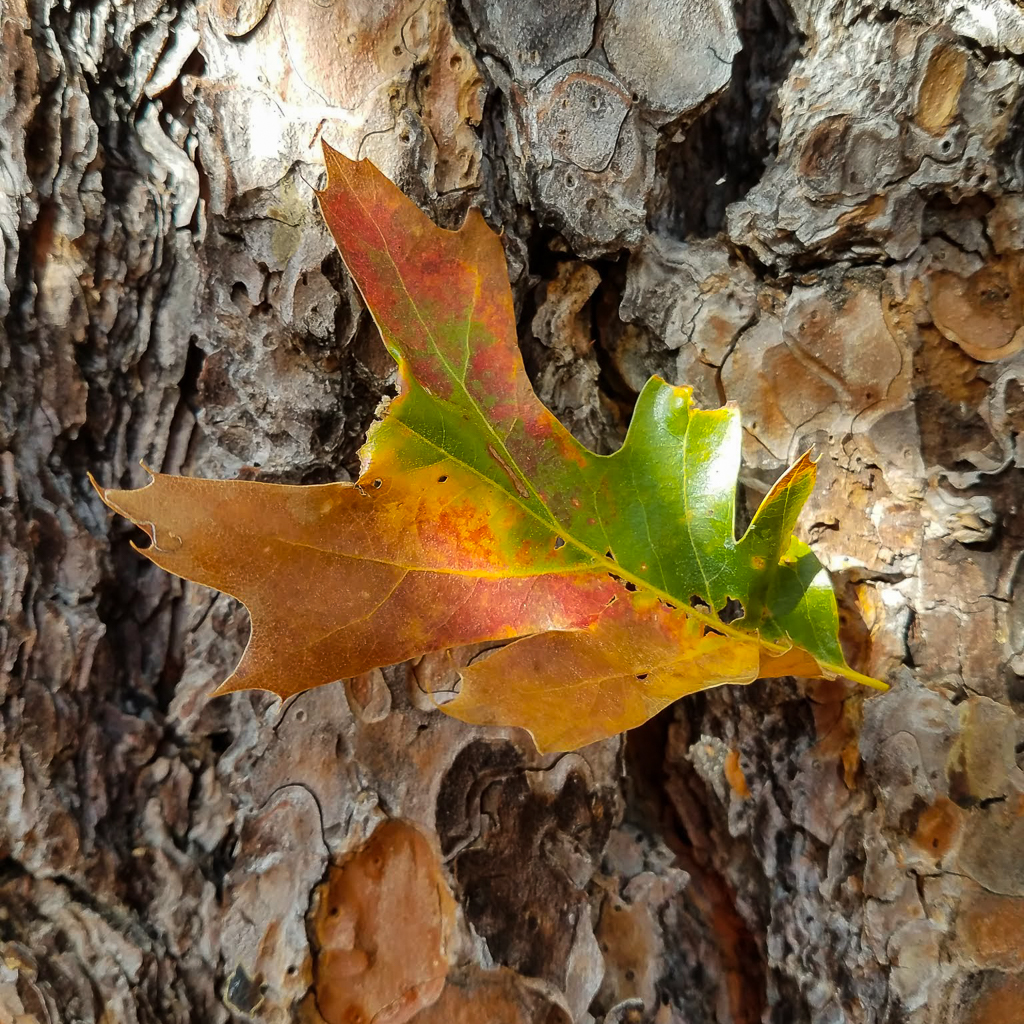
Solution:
(662, 507)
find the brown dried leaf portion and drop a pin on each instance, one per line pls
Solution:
(328, 575)
(574, 687)
(382, 927)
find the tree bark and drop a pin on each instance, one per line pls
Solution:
(810, 208)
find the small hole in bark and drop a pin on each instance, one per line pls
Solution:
(219, 741)
(333, 912)
(351, 38)
(595, 103)
(532, 922)
(635, 97)
(300, 715)
(630, 975)
(426, 81)
(1000, 105)
(397, 51)
(946, 145)
(292, 969)
(404, 137)
(570, 181)
(455, 62)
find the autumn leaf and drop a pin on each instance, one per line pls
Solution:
(477, 516)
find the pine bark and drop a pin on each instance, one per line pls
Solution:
(813, 209)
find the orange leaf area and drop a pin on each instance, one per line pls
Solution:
(576, 687)
(342, 578)
(382, 927)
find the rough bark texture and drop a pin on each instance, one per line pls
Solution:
(813, 208)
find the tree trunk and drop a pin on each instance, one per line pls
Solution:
(810, 208)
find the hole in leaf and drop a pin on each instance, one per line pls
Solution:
(559, 543)
(732, 611)
(377, 482)
(641, 676)
(609, 556)
(441, 479)
(631, 587)
(696, 601)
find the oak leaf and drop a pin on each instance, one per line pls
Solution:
(477, 516)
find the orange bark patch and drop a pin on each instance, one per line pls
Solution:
(734, 775)
(382, 925)
(939, 96)
(938, 827)
(981, 313)
(1001, 1001)
(492, 997)
(990, 928)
